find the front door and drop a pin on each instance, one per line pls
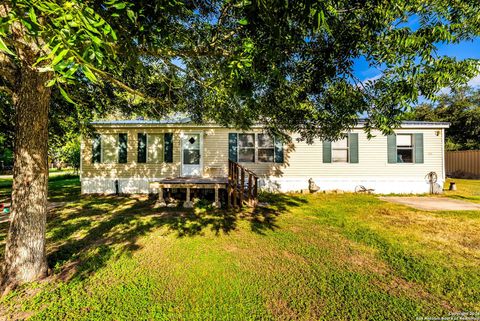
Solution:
(191, 155)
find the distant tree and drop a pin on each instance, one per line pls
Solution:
(461, 108)
(6, 130)
(69, 152)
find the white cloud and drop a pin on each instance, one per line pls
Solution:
(475, 82)
(373, 78)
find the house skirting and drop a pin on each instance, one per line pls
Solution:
(385, 185)
(101, 185)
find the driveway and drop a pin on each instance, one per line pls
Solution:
(433, 203)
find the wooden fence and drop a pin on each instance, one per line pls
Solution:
(463, 163)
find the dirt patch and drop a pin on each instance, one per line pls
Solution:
(399, 287)
(367, 262)
(433, 203)
(280, 309)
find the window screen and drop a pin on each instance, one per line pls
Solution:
(246, 148)
(266, 150)
(404, 148)
(155, 148)
(340, 151)
(110, 148)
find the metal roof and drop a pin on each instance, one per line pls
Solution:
(418, 123)
(142, 121)
(185, 120)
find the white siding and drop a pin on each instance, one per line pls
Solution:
(302, 161)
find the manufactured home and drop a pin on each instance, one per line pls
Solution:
(127, 156)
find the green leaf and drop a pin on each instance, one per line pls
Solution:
(131, 15)
(89, 74)
(51, 82)
(71, 71)
(120, 5)
(65, 95)
(59, 57)
(4, 48)
(113, 34)
(32, 15)
(243, 21)
(27, 24)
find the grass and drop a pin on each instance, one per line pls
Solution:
(306, 257)
(54, 175)
(467, 189)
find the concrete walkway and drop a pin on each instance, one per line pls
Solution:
(433, 203)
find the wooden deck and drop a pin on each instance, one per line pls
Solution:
(241, 185)
(188, 183)
(194, 181)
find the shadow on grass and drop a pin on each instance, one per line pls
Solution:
(87, 231)
(463, 198)
(271, 205)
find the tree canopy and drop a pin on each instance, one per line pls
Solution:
(461, 108)
(287, 64)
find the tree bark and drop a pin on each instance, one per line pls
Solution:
(25, 258)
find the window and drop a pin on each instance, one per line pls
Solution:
(257, 147)
(340, 151)
(246, 148)
(110, 148)
(122, 148)
(404, 148)
(142, 148)
(97, 148)
(155, 148)
(266, 148)
(150, 148)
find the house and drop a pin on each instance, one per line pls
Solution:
(127, 155)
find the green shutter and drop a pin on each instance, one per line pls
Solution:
(168, 150)
(418, 145)
(278, 150)
(142, 148)
(392, 148)
(122, 148)
(97, 148)
(353, 147)
(232, 147)
(327, 151)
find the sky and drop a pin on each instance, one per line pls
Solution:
(463, 50)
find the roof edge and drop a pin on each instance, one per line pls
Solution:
(186, 121)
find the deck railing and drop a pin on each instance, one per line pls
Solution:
(242, 187)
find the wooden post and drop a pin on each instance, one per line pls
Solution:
(235, 184)
(242, 185)
(255, 191)
(229, 197)
(250, 182)
(235, 194)
(188, 203)
(217, 201)
(160, 201)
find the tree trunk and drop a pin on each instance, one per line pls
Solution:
(25, 258)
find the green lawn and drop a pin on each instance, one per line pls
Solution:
(467, 189)
(309, 257)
